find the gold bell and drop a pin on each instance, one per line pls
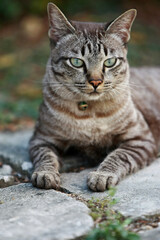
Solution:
(82, 106)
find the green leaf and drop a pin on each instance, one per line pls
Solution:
(112, 191)
(126, 222)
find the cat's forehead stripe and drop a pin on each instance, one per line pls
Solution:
(99, 47)
(83, 50)
(89, 47)
(105, 50)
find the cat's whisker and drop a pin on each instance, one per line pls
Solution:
(124, 86)
(133, 85)
(57, 84)
(127, 86)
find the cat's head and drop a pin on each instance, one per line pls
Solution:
(89, 59)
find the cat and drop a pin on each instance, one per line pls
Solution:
(90, 104)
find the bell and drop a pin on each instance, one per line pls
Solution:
(82, 106)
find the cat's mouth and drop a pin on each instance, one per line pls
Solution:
(93, 93)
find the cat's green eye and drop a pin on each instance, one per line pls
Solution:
(110, 62)
(76, 62)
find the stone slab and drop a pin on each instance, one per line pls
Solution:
(151, 235)
(35, 214)
(138, 194)
(14, 150)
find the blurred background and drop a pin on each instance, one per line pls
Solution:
(24, 47)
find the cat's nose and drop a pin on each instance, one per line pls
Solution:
(95, 82)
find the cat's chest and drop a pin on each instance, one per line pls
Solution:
(91, 127)
(90, 131)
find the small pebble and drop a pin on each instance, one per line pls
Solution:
(6, 181)
(5, 169)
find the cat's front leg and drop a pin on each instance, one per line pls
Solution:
(46, 165)
(131, 155)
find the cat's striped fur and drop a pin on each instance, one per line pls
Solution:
(120, 129)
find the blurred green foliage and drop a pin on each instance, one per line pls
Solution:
(14, 9)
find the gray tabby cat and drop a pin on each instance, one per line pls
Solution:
(89, 104)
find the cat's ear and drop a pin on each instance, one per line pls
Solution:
(59, 26)
(121, 26)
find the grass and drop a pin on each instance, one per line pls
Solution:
(109, 224)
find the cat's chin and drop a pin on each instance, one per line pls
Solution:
(94, 96)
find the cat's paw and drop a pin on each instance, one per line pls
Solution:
(100, 181)
(46, 179)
